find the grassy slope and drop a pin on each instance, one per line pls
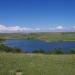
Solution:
(48, 36)
(37, 64)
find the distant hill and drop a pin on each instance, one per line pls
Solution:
(47, 36)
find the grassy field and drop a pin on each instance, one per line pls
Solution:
(37, 64)
(47, 36)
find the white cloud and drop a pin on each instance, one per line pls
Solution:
(37, 29)
(74, 27)
(12, 29)
(59, 27)
(2, 27)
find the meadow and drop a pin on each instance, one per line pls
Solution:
(47, 36)
(37, 64)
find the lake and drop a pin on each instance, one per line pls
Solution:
(29, 44)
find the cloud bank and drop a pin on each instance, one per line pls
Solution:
(17, 29)
(13, 29)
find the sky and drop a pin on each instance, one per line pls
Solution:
(37, 15)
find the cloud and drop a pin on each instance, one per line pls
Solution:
(17, 29)
(14, 29)
(74, 27)
(2, 27)
(38, 29)
(59, 27)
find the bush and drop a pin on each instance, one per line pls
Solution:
(4, 48)
(57, 51)
(72, 51)
(38, 51)
(16, 50)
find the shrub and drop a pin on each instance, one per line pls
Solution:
(57, 51)
(16, 50)
(4, 48)
(38, 51)
(72, 51)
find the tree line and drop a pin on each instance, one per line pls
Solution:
(4, 48)
(54, 51)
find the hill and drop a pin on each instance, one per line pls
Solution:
(47, 36)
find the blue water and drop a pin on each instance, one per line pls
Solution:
(29, 45)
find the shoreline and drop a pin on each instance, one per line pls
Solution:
(40, 39)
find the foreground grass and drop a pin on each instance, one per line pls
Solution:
(37, 64)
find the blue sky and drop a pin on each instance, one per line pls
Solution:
(38, 14)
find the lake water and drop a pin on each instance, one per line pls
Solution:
(29, 45)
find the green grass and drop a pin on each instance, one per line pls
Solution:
(47, 36)
(37, 64)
